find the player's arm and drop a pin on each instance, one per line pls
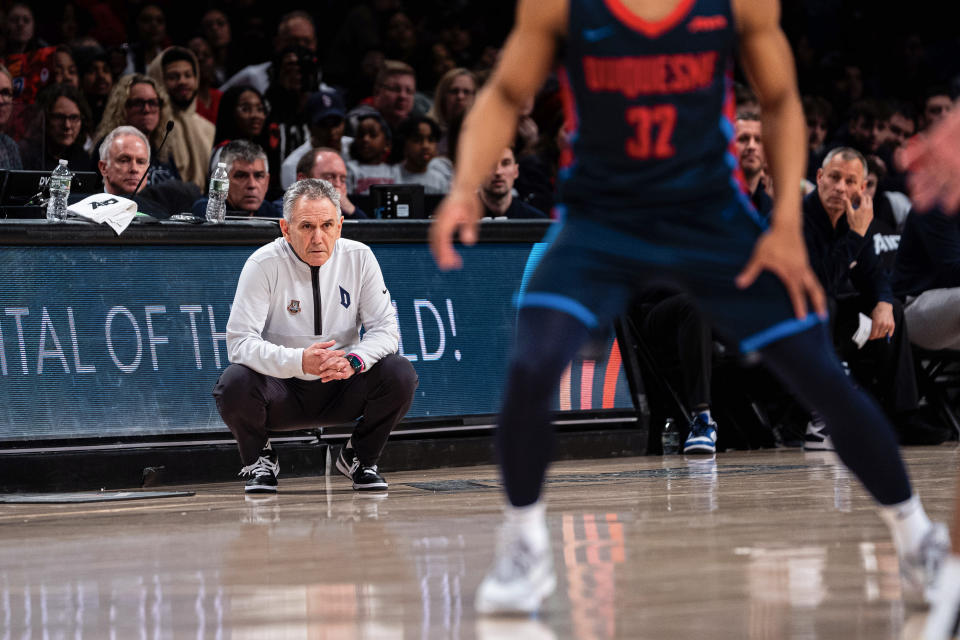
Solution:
(768, 62)
(766, 58)
(490, 125)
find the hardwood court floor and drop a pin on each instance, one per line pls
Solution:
(772, 545)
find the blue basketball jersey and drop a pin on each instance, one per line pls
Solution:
(649, 109)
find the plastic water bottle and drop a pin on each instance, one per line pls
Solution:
(670, 438)
(59, 192)
(217, 196)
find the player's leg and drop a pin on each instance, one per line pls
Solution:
(572, 291)
(801, 354)
(943, 621)
(865, 441)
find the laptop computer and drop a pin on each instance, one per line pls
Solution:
(19, 187)
(397, 201)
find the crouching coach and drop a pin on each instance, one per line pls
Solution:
(297, 357)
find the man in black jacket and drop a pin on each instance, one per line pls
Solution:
(837, 220)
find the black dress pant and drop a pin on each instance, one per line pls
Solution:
(253, 404)
(884, 368)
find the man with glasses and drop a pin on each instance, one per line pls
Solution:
(325, 163)
(249, 176)
(9, 153)
(393, 94)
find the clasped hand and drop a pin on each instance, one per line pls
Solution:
(330, 364)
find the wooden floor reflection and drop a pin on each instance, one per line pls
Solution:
(761, 545)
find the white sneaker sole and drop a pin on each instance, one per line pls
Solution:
(260, 489)
(700, 447)
(527, 605)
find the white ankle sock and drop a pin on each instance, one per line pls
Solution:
(908, 523)
(531, 520)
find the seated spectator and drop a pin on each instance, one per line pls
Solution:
(60, 131)
(64, 68)
(124, 158)
(902, 125)
(496, 192)
(150, 39)
(325, 163)
(890, 208)
(293, 77)
(679, 338)
(325, 117)
(96, 80)
(937, 103)
(748, 140)
(215, 26)
(20, 31)
(243, 116)
(417, 138)
(208, 97)
(192, 139)
(141, 102)
(453, 97)
(9, 152)
(393, 94)
(538, 170)
(368, 154)
(837, 221)
(927, 274)
(249, 176)
(294, 29)
(818, 113)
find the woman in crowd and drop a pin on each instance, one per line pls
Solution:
(452, 99)
(137, 100)
(64, 67)
(59, 130)
(243, 116)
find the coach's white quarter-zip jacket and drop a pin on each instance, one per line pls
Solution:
(284, 305)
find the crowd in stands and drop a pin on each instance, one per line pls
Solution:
(373, 92)
(385, 92)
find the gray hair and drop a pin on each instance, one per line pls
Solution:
(6, 72)
(312, 189)
(124, 130)
(245, 151)
(846, 153)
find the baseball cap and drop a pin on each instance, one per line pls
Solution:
(323, 104)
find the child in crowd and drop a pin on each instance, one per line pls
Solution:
(417, 137)
(368, 153)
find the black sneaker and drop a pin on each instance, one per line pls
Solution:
(347, 461)
(263, 473)
(367, 479)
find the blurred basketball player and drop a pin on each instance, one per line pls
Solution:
(934, 163)
(651, 191)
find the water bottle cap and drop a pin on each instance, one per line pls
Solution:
(219, 164)
(63, 162)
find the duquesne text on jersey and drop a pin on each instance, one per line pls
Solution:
(650, 75)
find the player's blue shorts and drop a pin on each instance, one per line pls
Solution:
(591, 270)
